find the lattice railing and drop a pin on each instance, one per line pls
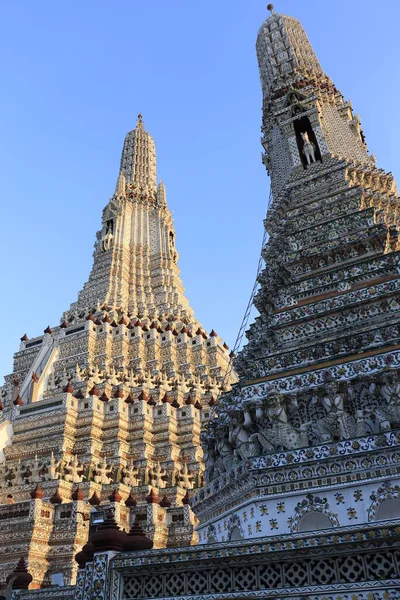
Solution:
(201, 579)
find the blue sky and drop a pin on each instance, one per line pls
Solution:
(74, 77)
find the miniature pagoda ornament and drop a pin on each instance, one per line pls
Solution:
(86, 402)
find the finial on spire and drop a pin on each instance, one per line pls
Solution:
(139, 120)
(270, 7)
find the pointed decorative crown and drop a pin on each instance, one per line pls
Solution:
(138, 160)
(284, 52)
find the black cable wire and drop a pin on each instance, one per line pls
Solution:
(246, 317)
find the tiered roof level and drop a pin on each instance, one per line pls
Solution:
(114, 398)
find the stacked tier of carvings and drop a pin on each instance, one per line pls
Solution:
(98, 462)
(127, 388)
(74, 471)
(184, 378)
(336, 411)
(109, 386)
(165, 352)
(153, 286)
(107, 235)
(318, 244)
(333, 217)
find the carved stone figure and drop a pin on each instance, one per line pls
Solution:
(274, 430)
(35, 469)
(75, 474)
(53, 465)
(185, 478)
(240, 437)
(51, 382)
(106, 240)
(158, 475)
(388, 411)
(95, 374)
(113, 379)
(64, 379)
(19, 470)
(209, 455)
(337, 424)
(308, 148)
(224, 450)
(102, 473)
(130, 476)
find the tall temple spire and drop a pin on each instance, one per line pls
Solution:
(320, 372)
(135, 261)
(311, 137)
(117, 395)
(300, 101)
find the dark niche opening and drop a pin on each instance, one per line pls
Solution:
(303, 125)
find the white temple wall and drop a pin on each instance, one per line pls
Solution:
(343, 506)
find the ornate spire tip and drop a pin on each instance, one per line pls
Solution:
(139, 120)
(270, 7)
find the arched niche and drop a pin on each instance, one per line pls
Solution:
(235, 535)
(388, 509)
(313, 521)
(303, 125)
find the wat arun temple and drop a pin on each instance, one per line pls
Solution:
(140, 459)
